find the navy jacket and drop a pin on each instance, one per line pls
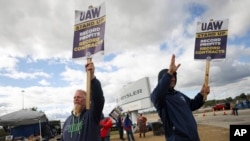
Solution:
(86, 126)
(127, 123)
(175, 110)
(119, 121)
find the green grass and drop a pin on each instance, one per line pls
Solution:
(114, 132)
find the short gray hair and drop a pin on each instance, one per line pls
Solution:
(82, 91)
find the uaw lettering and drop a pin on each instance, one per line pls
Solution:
(90, 14)
(239, 132)
(214, 25)
(128, 95)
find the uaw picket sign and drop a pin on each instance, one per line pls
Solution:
(239, 132)
(89, 31)
(211, 39)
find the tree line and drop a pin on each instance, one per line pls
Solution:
(240, 97)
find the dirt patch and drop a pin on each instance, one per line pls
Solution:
(206, 133)
(213, 133)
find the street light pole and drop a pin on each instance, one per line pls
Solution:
(23, 98)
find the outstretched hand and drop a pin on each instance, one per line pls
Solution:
(173, 67)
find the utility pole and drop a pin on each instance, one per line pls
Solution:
(23, 98)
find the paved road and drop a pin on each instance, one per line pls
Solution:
(222, 120)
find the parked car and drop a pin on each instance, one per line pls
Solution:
(220, 106)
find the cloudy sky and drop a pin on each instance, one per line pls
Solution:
(36, 41)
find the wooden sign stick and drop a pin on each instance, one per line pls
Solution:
(88, 95)
(207, 75)
(88, 89)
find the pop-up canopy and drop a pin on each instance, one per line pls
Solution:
(22, 117)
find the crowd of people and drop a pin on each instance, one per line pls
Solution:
(173, 107)
(125, 124)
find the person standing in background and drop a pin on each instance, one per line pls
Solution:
(141, 123)
(46, 132)
(235, 109)
(105, 126)
(128, 127)
(119, 125)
